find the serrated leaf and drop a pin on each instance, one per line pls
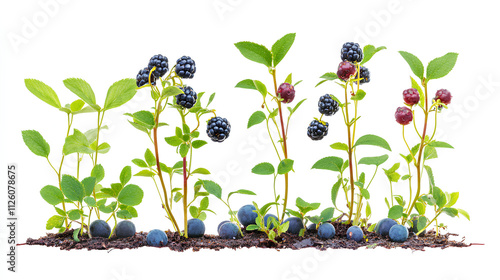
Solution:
(430, 153)
(281, 48)
(374, 160)
(145, 173)
(329, 76)
(52, 195)
(36, 143)
(298, 105)
(88, 185)
(256, 118)
(373, 140)
(198, 143)
(264, 168)
(339, 146)
(77, 143)
(43, 92)
(369, 51)
(139, 162)
(255, 52)
(441, 66)
(242, 191)
(83, 90)
(173, 141)
(72, 188)
(285, 166)
(183, 150)
(144, 118)
(171, 91)
(415, 64)
(440, 144)
(329, 163)
(247, 84)
(212, 188)
(120, 93)
(260, 87)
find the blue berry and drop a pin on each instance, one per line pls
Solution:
(100, 228)
(157, 238)
(327, 105)
(364, 74)
(267, 216)
(317, 130)
(228, 231)
(186, 99)
(125, 229)
(384, 225)
(351, 52)
(195, 228)
(326, 231)
(221, 223)
(294, 225)
(161, 63)
(143, 78)
(185, 67)
(398, 233)
(355, 233)
(246, 216)
(218, 129)
(311, 227)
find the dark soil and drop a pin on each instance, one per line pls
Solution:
(251, 239)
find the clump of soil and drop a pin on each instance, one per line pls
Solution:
(251, 239)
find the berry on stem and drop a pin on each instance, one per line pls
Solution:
(185, 67)
(218, 129)
(143, 77)
(287, 92)
(444, 95)
(403, 115)
(345, 70)
(327, 105)
(364, 74)
(186, 99)
(351, 52)
(317, 130)
(161, 63)
(411, 96)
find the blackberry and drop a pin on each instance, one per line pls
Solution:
(188, 98)
(351, 52)
(143, 78)
(185, 67)
(345, 70)
(287, 92)
(327, 106)
(411, 96)
(218, 129)
(161, 63)
(317, 130)
(444, 95)
(364, 74)
(403, 115)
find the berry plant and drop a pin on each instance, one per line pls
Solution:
(351, 73)
(284, 93)
(72, 193)
(188, 104)
(417, 98)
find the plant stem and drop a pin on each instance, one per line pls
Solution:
(184, 197)
(285, 152)
(100, 118)
(349, 151)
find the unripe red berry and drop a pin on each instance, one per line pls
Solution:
(403, 115)
(444, 95)
(411, 96)
(287, 92)
(346, 69)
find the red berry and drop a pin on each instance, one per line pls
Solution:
(287, 92)
(444, 95)
(346, 69)
(403, 115)
(411, 96)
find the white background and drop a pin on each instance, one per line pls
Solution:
(104, 41)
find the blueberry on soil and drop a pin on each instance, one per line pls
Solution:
(196, 228)
(384, 225)
(294, 225)
(355, 233)
(125, 229)
(267, 216)
(221, 223)
(398, 233)
(317, 130)
(287, 92)
(228, 231)
(157, 238)
(326, 231)
(311, 227)
(185, 67)
(246, 215)
(100, 228)
(218, 129)
(403, 115)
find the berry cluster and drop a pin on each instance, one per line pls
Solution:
(184, 68)
(411, 97)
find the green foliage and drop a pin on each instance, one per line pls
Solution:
(329, 163)
(43, 92)
(119, 93)
(83, 90)
(441, 66)
(281, 48)
(373, 140)
(415, 64)
(255, 52)
(264, 168)
(36, 143)
(256, 118)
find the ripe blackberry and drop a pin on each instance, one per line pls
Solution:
(327, 106)
(185, 67)
(346, 69)
(351, 52)
(218, 129)
(143, 78)
(444, 95)
(161, 63)
(287, 92)
(188, 98)
(403, 115)
(317, 130)
(411, 96)
(364, 74)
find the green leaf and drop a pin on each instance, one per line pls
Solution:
(260, 87)
(116, 188)
(281, 48)
(285, 166)
(77, 143)
(420, 208)
(124, 214)
(374, 160)
(242, 191)
(288, 79)
(132, 211)
(339, 146)
(439, 144)
(264, 168)
(145, 173)
(200, 170)
(415, 64)
(43, 92)
(464, 213)
(453, 199)
(439, 196)
(120, 93)
(77, 105)
(52, 195)
(335, 191)
(365, 193)
(102, 149)
(441, 66)
(212, 188)
(369, 51)
(247, 84)
(139, 162)
(198, 143)
(327, 214)
(144, 118)
(150, 158)
(360, 94)
(173, 141)
(35, 142)
(126, 175)
(452, 212)
(421, 223)
(329, 76)
(256, 118)
(329, 163)
(54, 222)
(193, 210)
(74, 214)
(91, 134)
(298, 104)
(252, 227)
(255, 52)
(83, 90)
(416, 86)
(204, 203)
(373, 140)
(131, 195)
(395, 212)
(88, 185)
(210, 99)
(90, 201)
(430, 153)
(432, 184)
(171, 91)
(183, 150)
(98, 173)
(72, 188)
